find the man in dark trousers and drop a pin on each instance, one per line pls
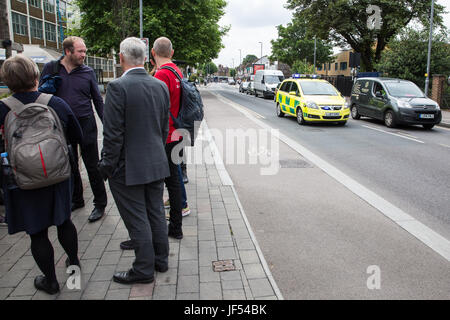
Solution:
(135, 130)
(79, 86)
(163, 51)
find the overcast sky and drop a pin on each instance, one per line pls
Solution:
(255, 21)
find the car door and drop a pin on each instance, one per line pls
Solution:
(362, 91)
(285, 100)
(294, 98)
(377, 100)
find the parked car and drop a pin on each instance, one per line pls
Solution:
(251, 88)
(243, 86)
(311, 100)
(266, 81)
(395, 101)
(231, 81)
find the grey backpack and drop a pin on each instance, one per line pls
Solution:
(36, 144)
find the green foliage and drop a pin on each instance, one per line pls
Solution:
(191, 25)
(209, 68)
(295, 44)
(250, 58)
(345, 22)
(232, 73)
(5, 95)
(300, 66)
(406, 56)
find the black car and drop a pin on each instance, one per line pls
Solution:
(394, 101)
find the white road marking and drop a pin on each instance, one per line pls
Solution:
(424, 234)
(394, 134)
(444, 145)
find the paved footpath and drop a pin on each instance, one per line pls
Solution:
(215, 230)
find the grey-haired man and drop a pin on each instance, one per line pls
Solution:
(136, 125)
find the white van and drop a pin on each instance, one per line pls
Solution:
(266, 82)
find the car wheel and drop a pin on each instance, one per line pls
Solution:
(355, 113)
(300, 119)
(280, 113)
(428, 126)
(389, 119)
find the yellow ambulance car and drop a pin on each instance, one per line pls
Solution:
(310, 99)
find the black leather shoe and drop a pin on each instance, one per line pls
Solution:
(41, 283)
(96, 214)
(129, 277)
(76, 206)
(161, 269)
(127, 245)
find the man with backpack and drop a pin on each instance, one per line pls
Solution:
(77, 85)
(162, 51)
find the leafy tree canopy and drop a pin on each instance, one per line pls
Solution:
(208, 68)
(345, 22)
(250, 58)
(406, 56)
(296, 42)
(191, 25)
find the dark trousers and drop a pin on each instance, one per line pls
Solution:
(174, 188)
(142, 210)
(89, 153)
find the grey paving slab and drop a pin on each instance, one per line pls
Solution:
(118, 294)
(188, 284)
(211, 291)
(168, 292)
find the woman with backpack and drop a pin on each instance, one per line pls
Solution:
(33, 204)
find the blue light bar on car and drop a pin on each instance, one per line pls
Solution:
(306, 76)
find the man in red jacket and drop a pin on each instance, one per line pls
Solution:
(162, 52)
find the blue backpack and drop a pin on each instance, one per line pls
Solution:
(51, 82)
(191, 107)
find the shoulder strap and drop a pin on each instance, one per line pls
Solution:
(44, 99)
(12, 103)
(173, 70)
(56, 66)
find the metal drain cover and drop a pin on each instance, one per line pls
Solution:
(294, 163)
(224, 265)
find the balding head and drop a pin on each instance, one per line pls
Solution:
(163, 47)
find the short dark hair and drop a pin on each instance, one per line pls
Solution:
(19, 73)
(68, 43)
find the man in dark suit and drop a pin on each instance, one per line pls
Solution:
(136, 125)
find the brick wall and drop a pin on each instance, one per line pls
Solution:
(438, 88)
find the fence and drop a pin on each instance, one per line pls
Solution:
(342, 83)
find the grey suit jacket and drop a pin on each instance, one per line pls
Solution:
(135, 128)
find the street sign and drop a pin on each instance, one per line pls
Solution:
(147, 49)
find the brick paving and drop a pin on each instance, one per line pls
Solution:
(215, 230)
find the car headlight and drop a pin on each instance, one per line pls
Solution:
(437, 107)
(346, 105)
(312, 105)
(403, 104)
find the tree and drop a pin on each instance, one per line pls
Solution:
(406, 56)
(250, 58)
(346, 22)
(232, 73)
(191, 25)
(295, 44)
(300, 66)
(209, 68)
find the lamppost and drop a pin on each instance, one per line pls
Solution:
(240, 56)
(430, 41)
(315, 51)
(141, 29)
(261, 50)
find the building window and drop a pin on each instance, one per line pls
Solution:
(343, 65)
(62, 9)
(35, 3)
(49, 6)
(36, 28)
(20, 25)
(50, 32)
(336, 66)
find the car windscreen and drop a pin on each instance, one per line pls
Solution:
(315, 88)
(270, 79)
(404, 90)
